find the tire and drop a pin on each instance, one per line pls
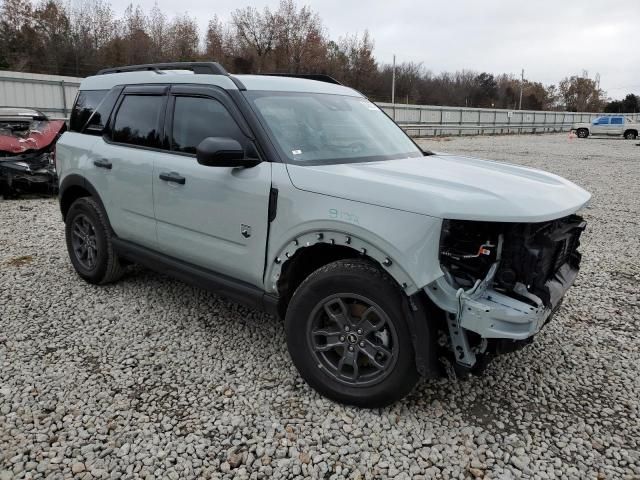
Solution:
(89, 242)
(630, 135)
(352, 304)
(582, 133)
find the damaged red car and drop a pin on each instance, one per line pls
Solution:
(27, 143)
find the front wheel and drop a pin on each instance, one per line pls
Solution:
(348, 337)
(582, 133)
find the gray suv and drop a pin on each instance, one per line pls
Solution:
(300, 197)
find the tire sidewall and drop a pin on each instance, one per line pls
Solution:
(298, 322)
(85, 207)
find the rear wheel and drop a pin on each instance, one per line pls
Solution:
(630, 134)
(89, 242)
(582, 133)
(347, 335)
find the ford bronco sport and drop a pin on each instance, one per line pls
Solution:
(302, 198)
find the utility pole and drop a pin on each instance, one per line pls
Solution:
(521, 86)
(393, 86)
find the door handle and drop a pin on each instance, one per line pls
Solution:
(103, 163)
(174, 177)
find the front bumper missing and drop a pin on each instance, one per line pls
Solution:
(27, 173)
(492, 314)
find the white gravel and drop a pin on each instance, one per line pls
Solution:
(153, 378)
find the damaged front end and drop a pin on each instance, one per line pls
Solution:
(502, 282)
(27, 143)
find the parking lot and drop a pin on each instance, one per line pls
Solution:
(153, 378)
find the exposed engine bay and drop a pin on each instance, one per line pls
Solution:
(27, 141)
(502, 282)
(531, 254)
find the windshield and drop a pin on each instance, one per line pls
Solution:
(318, 128)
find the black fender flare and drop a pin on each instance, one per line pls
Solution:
(75, 180)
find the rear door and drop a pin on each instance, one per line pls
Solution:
(123, 162)
(616, 126)
(213, 217)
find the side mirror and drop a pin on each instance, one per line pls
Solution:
(223, 152)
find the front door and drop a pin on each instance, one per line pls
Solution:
(600, 126)
(213, 217)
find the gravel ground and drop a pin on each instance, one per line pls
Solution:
(153, 378)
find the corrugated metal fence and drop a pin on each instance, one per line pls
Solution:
(54, 96)
(51, 94)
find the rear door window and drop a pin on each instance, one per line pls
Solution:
(137, 121)
(616, 121)
(196, 118)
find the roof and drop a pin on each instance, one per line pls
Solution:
(251, 82)
(19, 113)
(293, 84)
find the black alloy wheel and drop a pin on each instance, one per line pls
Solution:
(348, 336)
(354, 339)
(84, 242)
(89, 242)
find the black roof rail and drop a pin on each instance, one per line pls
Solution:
(202, 68)
(320, 77)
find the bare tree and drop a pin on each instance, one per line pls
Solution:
(16, 30)
(300, 40)
(158, 33)
(581, 94)
(51, 22)
(361, 63)
(215, 41)
(135, 40)
(256, 32)
(183, 39)
(78, 38)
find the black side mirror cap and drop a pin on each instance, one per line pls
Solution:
(223, 152)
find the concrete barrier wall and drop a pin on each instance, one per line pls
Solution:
(430, 120)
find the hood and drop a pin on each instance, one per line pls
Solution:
(447, 186)
(18, 137)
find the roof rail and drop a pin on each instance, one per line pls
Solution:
(320, 77)
(202, 68)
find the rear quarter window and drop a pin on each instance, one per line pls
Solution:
(92, 109)
(84, 107)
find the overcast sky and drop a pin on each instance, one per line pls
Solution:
(549, 39)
